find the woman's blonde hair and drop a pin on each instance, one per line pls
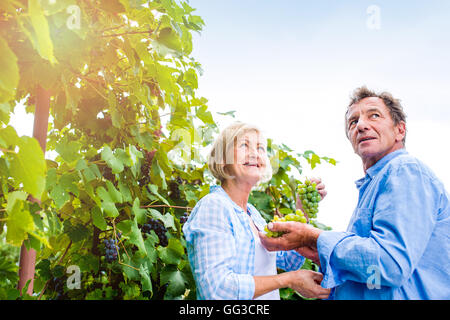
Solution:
(222, 152)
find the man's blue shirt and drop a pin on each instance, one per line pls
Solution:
(397, 242)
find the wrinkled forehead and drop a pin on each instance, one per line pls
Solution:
(364, 105)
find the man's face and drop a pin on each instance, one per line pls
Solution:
(372, 131)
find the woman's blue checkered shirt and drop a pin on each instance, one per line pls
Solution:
(221, 248)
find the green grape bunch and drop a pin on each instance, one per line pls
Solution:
(309, 197)
(298, 216)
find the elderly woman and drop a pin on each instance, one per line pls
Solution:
(224, 250)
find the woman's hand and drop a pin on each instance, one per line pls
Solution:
(307, 283)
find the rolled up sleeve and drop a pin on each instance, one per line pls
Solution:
(289, 260)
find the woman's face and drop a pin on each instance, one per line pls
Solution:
(250, 157)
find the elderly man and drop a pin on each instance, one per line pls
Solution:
(397, 243)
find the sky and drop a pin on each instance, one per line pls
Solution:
(289, 67)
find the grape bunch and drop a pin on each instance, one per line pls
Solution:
(146, 167)
(298, 216)
(310, 198)
(58, 287)
(111, 249)
(159, 228)
(174, 191)
(184, 217)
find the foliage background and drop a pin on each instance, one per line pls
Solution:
(128, 133)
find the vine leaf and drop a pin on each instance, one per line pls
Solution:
(114, 163)
(145, 278)
(98, 219)
(41, 35)
(29, 166)
(176, 280)
(9, 77)
(20, 221)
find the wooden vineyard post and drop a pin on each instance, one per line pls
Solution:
(28, 257)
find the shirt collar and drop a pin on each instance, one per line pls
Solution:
(373, 170)
(220, 190)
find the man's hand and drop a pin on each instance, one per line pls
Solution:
(310, 253)
(296, 235)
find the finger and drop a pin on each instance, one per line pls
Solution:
(279, 226)
(320, 186)
(271, 244)
(318, 276)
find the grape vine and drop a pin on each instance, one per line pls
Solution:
(122, 167)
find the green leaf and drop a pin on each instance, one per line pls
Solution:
(9, 75)
(170, 39)
(145, 278)
(97, 218)
(125, 191)
(107, 203)
(125, 226)
(41, 35)
(167, 219)
(176, 280)
(76, 232)
(20, 221)
(154, 189)
(114, 194)
(59, 195)
(260, 200)
(205, 115)
(8, 137)
(139, 213)
(29, 166)
(228, 113)
(136, 237)
(315, 159)
(115, 164)
(69, 150)
(172, 253)
(150, 243)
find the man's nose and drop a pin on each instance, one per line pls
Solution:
(362, 124)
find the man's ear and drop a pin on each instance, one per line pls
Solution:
(401, 131)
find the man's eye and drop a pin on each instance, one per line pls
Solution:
(374, 115)
(352, 123)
